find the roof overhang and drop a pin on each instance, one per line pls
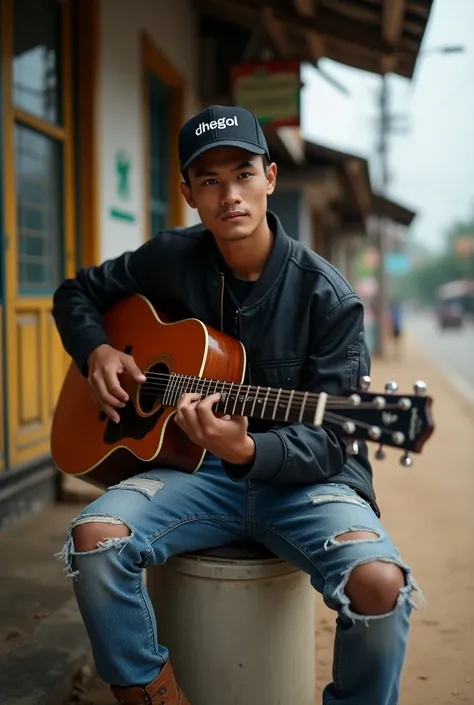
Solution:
(354, 201)
(386, 208)
(379, 36)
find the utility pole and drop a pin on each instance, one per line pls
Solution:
(382, 298)
(386, 126)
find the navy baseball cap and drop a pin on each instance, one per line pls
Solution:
(220, 126)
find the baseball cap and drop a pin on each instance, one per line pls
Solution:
(220, 126)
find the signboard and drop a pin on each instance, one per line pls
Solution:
(123, 165)
(271, 89)
(397, 263)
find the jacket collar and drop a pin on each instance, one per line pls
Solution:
(274, 266)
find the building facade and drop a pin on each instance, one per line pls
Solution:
(93, 95)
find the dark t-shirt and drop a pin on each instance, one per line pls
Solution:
(235, 294)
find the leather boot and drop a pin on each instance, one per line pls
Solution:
(162, 691)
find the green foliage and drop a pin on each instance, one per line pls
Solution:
(422, 282)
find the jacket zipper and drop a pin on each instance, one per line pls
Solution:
(222, 302)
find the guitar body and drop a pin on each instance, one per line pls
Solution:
(85, 443)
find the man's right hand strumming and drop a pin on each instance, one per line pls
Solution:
(105, 364)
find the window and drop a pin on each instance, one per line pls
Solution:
(38, 161)
(159, 97)
(36, 60)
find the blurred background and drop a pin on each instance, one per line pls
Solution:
(368, 110)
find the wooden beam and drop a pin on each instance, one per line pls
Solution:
(231, 11)
(409, 44)
(392, 22)
(316, 45)
(360, 183)
(355, 11)
(422, 9)
(388, 64)
(332, 26)
(292, 141)
(307, 8)
(277, 32)
(416, 28)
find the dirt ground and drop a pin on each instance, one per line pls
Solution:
(428, 509)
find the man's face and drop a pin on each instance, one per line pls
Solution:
(229, 188)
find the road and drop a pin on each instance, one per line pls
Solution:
(452, 350)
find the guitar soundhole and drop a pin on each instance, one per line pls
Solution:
(150, 395)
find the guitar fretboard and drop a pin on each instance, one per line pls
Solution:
(246, 400)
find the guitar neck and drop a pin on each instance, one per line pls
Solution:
(270, 404)
(400, 421)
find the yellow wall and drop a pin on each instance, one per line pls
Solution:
(35, 361)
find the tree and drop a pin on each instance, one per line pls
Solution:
(423, 281)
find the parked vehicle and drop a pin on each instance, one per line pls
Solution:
(449, 314)
(453, 301)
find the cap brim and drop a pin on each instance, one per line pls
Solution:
(242, 144)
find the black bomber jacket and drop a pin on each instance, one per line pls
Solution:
(302, 326)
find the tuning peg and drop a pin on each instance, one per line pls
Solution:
(380, 453)
(349, 427)
(391, 387)
(352, 448)
(398, 438)
(404, 404)
(364, 383)
(375, 432)
(420, 388)
(406, 460)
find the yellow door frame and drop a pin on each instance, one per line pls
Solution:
(153, 60)
(28, 443)
(87, 28)
(2, 392)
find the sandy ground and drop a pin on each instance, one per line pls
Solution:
(428, 509)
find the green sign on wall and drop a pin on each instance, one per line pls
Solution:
(123, 165)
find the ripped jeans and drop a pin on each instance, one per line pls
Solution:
(169, 512)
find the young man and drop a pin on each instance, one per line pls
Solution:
(291, 487)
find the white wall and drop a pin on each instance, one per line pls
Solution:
(172, 27)
(306, 232)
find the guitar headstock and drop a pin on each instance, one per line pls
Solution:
(398, 420)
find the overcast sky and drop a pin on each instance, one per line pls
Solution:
(432, 167)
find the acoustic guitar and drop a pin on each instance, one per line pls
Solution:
(189, 356)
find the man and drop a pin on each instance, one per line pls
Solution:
(291, 487)
(396, 324)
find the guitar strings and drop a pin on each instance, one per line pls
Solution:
(149, 389)
(340, 420)
(152, 390)
(184, 380)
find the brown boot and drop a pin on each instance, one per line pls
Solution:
(162, 691)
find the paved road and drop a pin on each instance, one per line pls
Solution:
(452, 350)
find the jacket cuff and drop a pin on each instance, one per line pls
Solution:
(268, 460)
(84, 343)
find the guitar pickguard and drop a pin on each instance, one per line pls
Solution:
(131, 425)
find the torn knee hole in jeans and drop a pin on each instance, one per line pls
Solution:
(405, 596)
(69, 551)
